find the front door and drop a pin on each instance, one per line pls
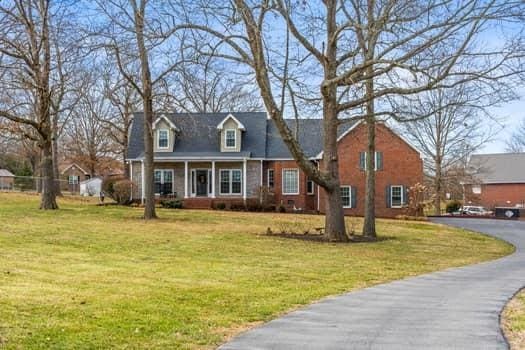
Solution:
(202, 182)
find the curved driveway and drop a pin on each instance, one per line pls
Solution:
(457, 308)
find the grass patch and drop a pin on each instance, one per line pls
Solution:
(88, 276)
(513, 321)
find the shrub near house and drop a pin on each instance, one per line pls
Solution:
(219, 158)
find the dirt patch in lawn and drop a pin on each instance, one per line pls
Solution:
(313, 237)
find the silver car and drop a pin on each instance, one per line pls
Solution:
(475, 210)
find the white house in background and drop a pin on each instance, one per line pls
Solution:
(91, 187)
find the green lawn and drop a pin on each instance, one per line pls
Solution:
(90, 277)
(514, 321)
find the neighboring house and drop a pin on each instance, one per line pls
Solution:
(71, 177)
(207, 159)
(91, 187)
(7, 180)
(498, 180)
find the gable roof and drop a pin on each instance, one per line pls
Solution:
(169, 122)
(6, 173)
(499, 167)
(74, 165)
(228, 117)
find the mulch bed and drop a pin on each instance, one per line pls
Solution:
(315, 237)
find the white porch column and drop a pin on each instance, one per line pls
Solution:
(261, 173)
(244, 180)
(131, 179)
(143, 190)
(212, 179)
(186, 179)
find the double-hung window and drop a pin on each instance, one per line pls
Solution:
(230, 138)
(396, 196)
(163, 139)
(163, 182)
(230, 181)
(290, 181)
(378, 161)
(346, 196)
(73, 179)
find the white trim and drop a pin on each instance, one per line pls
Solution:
(72, 165)
(349, 206)
(243, 181)
(230, 182)
(162, 178)
(170, 123)
(131, 179)
(318, 198)
(230, 116)
(402, 195)
(186, 179)
(261, 174)
(142, 185)
(168, 139)
(320, 155)
(283, 182)
(212, 179)
(234, 139)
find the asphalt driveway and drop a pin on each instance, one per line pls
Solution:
(457, 308)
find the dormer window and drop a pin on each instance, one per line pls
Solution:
(163, 139)
(231, 138)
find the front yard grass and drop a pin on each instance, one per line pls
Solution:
(91, 277)
(513, 320)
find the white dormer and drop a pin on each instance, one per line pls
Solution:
(230, 129)
(165, 132)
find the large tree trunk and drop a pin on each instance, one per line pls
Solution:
(48, 197)
(147, 98)
(369, 226)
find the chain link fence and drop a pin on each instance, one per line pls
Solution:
(34, 184)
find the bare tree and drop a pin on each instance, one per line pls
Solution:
(450, 124)
(137, 31)
(516, 143)
(28, 58)
(351, 57)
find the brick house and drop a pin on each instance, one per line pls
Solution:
(71, 177)
(498, 180)
(206, 159)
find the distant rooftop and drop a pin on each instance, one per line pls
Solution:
(6, 173)
(499, 167)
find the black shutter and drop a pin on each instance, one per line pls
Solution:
(387, 197)
(362, 160)
(353, 203)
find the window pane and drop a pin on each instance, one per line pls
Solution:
(345, 196)
(396, 192)
(309, 186)
(163, 138)
(230, 138)
(168, 177)
(291, 181)
(225, 181)
(270, 178)
(236, 181)
(158, 176)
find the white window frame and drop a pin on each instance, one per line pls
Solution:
(268, 178)
(167, 138)
(234, 138)
(349, 196)
(230, 182)
(162, 171)
(312, 192)
(73, 179)
(392, 195)
(284, 182)
(476, 189)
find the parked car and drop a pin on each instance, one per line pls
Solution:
(475, 210)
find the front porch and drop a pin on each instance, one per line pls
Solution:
(200, 182)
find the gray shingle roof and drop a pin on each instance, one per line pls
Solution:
(199, 136)
(6, 173)
(499, 168)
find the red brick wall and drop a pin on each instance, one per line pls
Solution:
(402, 165)
(493, 195)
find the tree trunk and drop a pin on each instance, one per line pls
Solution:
(147, 100)
(48, 198)
(56, 172)
(369, 226)
(437, 188)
